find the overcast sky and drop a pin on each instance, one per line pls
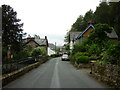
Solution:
(51, 18)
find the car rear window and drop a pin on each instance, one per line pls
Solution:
(65, 55)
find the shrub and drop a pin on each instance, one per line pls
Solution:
(112, 54)
(55, 55)
(78, 48)
(36, 52)
(93, 57)
(94, 49)
(43, 51)
(81, 54)
(82, 59)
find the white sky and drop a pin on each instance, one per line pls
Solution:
(51, 18)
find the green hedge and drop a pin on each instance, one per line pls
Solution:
(82, 59)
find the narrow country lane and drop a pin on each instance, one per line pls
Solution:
(55, 74)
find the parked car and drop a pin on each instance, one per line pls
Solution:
(31, 60)
(65, 57)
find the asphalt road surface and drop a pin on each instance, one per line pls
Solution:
(55, 74)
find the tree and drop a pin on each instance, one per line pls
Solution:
(67, 38)
(11, 28)
(98, 35)
(82, 21)
(37, 36)
(115, 16)
(102, 13)
(89, 16)
(77, 25)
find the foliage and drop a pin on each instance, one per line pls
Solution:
(93, 57)
(77, 25)
(11, 28)
(67, 38)
(82, 21)
(72, 59)
(99, 36)
(94, 49)
(102, 13)
(112, 54)
(82, 59)
(36, 52)
(79, 47)
(12, 34)
(81, 54)
(39, 51)
(55, 55)
(67, 46)
(43, 51)
(108, 13)
(21, 55)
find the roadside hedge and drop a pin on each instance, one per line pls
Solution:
(82, 59)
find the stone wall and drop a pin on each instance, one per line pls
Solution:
(108, 73)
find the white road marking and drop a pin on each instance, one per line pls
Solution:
(55, 83)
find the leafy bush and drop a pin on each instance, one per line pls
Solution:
(112, 54)
(94, 49)
(82, 59)
(36, 52)
(39, 51)
(21, 55)
(43, 51)
(93, 57)
(55, 55)
(81, 54)
(78, 48)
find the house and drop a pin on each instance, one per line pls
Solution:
(52, 46)
(86, 32)
(73, 36)
(50, 51)
(36, 42)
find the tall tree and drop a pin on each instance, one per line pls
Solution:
(115, 16)
(77, 26)
(102, 13)
(82, 21)
(89, 16)
(11, 28)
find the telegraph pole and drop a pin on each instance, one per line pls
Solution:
(55, 47)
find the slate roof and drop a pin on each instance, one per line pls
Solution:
(73, 35)
(39, 42)
(112, 35)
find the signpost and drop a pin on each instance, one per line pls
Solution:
(9, 52)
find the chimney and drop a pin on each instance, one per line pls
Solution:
(90, 22)
(46, 37)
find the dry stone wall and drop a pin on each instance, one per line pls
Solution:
(107, 73)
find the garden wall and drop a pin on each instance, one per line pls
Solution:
(108, 73)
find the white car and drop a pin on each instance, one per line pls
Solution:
(65, 57)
